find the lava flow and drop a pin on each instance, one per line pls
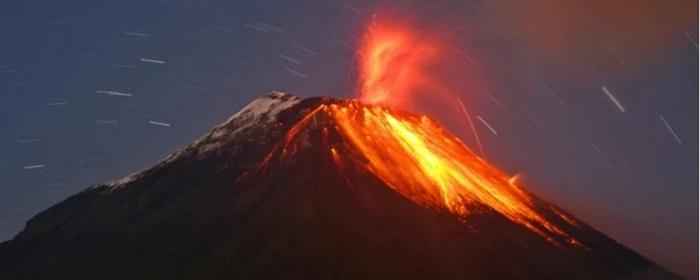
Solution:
(422, 161)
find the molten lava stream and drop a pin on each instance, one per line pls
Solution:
(419, 159)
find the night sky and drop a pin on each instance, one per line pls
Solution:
(594, 102)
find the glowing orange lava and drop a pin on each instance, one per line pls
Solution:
(392, 61)
(420, 160)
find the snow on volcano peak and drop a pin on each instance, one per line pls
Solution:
(261, 111)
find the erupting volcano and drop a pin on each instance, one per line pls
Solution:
(321, 188)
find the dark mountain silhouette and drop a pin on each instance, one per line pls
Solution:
(237, 204)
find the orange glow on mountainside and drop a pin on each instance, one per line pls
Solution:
(422, 161)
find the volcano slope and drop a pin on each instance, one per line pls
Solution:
(280, 191)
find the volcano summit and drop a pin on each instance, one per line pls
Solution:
(316, 188)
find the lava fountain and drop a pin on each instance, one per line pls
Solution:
(392, 64)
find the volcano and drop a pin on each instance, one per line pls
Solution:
(316, 188)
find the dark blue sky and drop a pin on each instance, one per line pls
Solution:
(87, 88)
